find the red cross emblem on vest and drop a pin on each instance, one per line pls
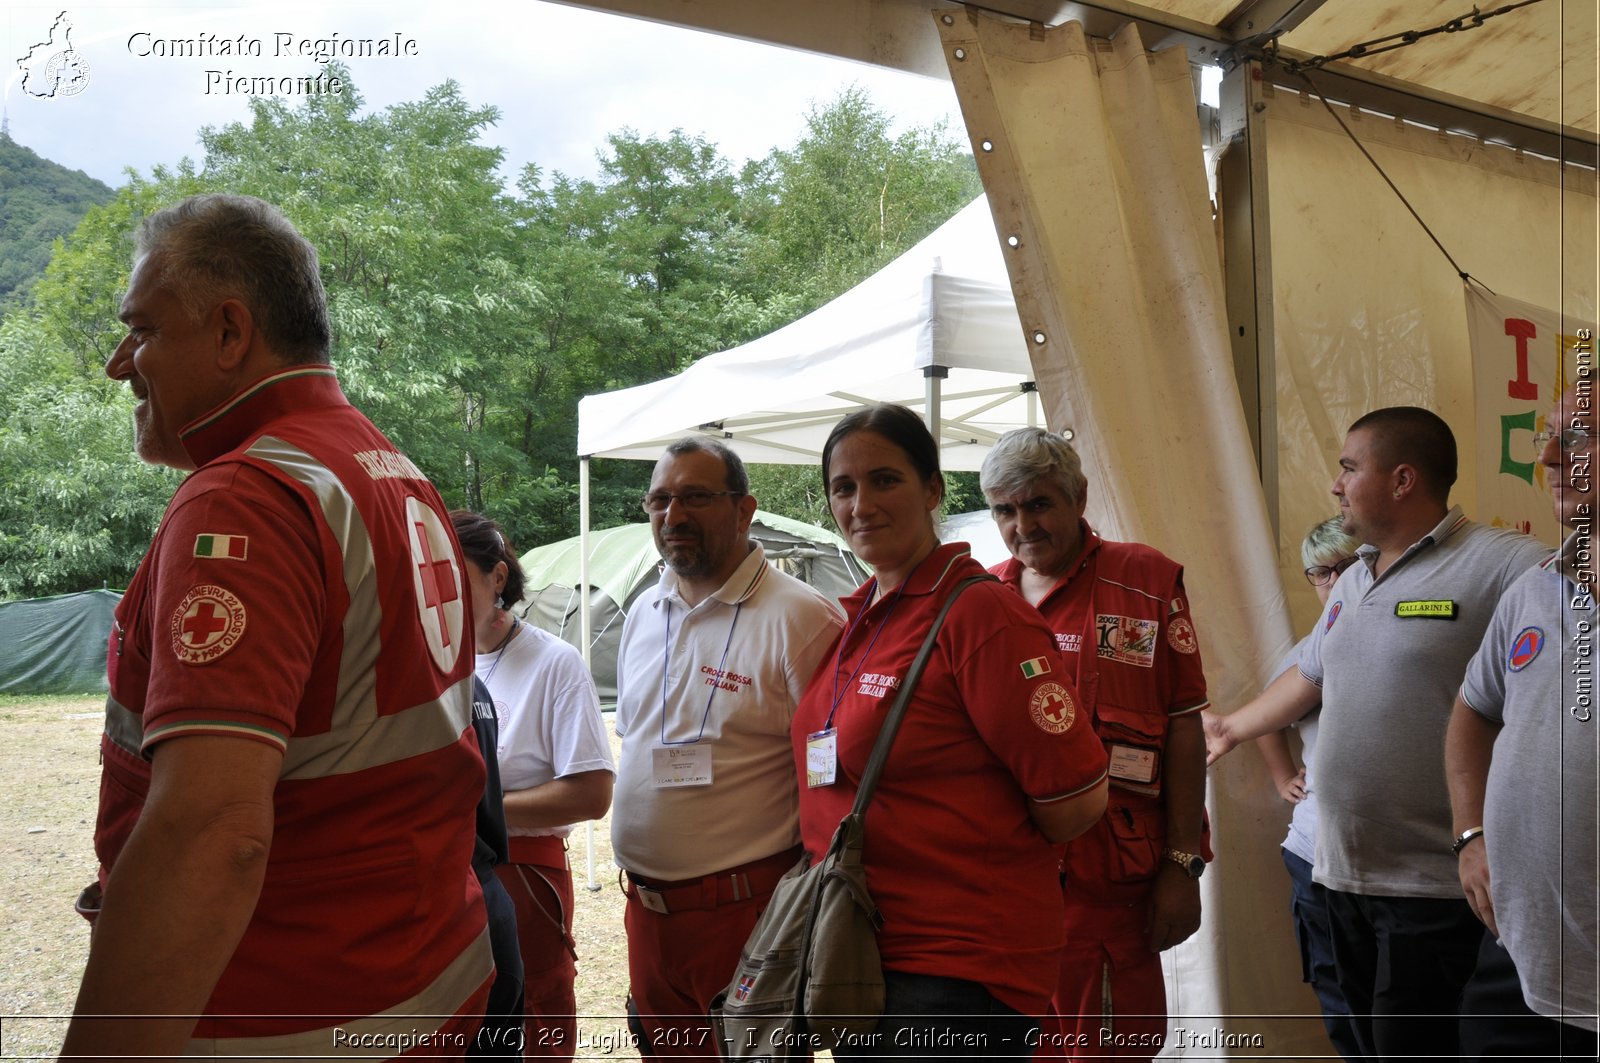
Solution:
(1052, 708)
(437, 580)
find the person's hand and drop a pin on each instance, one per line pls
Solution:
(1474, 871)
(1174, 910)
(1292, 788)
(1219, 742)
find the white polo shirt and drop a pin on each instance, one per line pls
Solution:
(550, 724)
(706, 778)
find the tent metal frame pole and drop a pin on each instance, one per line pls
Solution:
(1247, 273)
(584, 626)
(933, 399)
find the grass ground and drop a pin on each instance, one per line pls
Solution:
(47, 856)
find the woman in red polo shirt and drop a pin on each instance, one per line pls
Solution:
(991, 765)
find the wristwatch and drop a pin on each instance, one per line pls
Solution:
(1464, 837)
(1192, 864)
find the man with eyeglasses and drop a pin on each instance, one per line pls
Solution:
(1385, 660)
(1520, 757)
(712, 663)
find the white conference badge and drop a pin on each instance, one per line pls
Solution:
(685, 765)
(822, 757)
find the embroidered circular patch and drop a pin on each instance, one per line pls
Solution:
(1052, 708)
(438, 582)
(1333, 614)
(1524, 648)
(1180, 636)
(207, 623)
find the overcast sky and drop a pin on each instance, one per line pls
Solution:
(562, 77)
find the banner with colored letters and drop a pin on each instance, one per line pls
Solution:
(1523, 357)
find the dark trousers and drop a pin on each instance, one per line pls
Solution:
(1496, 1020)
(928, 1017)
(1402, 963)
(1308, 901)
(501, 1035)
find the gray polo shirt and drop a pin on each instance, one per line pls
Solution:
(1389, 655)
(1534, 675)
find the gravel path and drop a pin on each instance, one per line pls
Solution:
(47, 825)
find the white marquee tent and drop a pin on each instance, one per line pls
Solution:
(936, 330)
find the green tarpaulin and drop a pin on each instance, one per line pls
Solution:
(56, 645)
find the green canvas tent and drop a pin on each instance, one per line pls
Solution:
(623, 562)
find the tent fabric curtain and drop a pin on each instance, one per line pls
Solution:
(1091, 158)
(1368, 313)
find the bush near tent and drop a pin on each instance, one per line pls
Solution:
(623, 562)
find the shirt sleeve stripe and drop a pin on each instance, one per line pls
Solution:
(214, 727)
(1070, 793)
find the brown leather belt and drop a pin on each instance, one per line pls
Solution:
(723, 887)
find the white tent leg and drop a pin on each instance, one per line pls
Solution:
(932, 399)
(584, 626)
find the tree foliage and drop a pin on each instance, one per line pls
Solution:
(468, 317)
(40, 202)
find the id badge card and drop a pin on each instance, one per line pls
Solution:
(822, 757)
(1133, 764)
(686, 765)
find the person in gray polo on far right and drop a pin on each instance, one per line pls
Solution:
(1520, 757)
(1386, 658)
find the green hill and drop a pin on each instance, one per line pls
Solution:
(39, 201)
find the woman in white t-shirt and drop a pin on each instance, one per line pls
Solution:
(1326, 552)
(555, 769)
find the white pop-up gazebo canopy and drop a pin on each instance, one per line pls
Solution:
(936, 330)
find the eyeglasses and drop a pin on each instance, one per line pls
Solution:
(658, 501)
(1571, 439)
(1318, 575)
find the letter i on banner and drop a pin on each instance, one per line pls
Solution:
(1523, 356)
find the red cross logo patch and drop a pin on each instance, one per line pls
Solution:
(207, 623)
(441, 607)
(1180, 636)
(1052, 708)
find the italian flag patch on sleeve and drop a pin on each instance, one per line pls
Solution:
(1035, 668)
(231, 547)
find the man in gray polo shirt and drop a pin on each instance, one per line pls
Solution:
(1385, 659)
(1520, 757)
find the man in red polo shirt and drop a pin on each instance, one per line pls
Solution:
(290, 773)
(1121, 621)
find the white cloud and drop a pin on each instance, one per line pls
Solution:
(562, 78)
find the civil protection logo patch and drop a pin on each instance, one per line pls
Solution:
(1333, 614)
(1524, 648)
(209, 622)
(1052, 708)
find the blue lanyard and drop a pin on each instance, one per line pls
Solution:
(501, 652)
(854, 622)
(666, 663)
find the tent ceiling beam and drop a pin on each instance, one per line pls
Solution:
(1261, 20)
(894, 33)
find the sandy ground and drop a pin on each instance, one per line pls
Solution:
(47, 856)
